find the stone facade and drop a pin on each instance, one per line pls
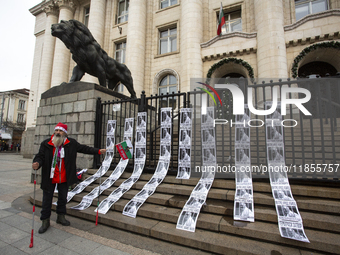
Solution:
(13, 115)
(269, 41)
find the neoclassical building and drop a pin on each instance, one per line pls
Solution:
(164, 43)
(13, 112)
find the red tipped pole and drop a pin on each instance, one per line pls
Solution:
(32, 232)
(100, 181)
(97, 214)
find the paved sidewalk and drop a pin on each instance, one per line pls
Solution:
(82, 237)
(16, 225)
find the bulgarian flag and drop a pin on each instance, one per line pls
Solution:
(221, 21)
(125, 149)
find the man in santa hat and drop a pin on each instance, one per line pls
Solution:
(57, 157)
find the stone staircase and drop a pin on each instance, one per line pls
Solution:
(216, 231)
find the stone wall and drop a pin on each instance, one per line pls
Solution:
(27, 140)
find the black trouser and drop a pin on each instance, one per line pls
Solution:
(48, 197)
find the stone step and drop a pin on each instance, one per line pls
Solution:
(323, 221)
(225, 207)
(218, 243)
(225, 224)
(264, 187)
(319, 208)
(220, 226)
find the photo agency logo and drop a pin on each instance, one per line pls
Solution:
(239, 106)
(204, 111)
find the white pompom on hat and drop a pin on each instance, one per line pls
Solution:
(61, 126)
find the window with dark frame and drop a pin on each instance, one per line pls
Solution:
(120, 50)
(22, 104)
(20, 118)
(86, 16)
(123, 11)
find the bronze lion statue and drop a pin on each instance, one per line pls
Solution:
(90, 57)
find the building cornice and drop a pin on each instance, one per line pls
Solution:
(36, 10)
(52, 6)
(319, 15)
(313, 39)
(229, 54)
(226, 36)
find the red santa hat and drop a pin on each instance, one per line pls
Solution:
(61, 126)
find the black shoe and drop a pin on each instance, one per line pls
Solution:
(45, 225)
(61, 220)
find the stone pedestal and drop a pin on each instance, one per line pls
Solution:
(73, 104)
(27, 141)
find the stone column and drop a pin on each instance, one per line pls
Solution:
(135, 44)
(97, 28)
(48, 50)
(61, 61)
(271, 47)
(191, 35)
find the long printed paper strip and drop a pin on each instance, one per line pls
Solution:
(131, 208)
(184, 151)
(117, 172)
(110, 142)
(189, 214)
(243, 202)
(140, 144)
(289, 218)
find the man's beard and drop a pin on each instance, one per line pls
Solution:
(58, 140)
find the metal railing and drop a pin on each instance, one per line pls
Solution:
(128, 108)
(311, 147)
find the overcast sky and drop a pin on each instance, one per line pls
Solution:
(17, 44)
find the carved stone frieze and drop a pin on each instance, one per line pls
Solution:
(313, 39)
(69, 4)
(50, 8)
(235, 53)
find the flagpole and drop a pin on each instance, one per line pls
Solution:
(221, 21)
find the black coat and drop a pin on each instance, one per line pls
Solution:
(45, 156)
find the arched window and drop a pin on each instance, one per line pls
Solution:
(168, 84)
(318, 68)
